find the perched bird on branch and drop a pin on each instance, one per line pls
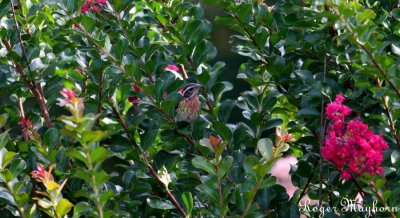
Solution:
(189, 107)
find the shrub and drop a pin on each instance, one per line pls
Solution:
(89, 91)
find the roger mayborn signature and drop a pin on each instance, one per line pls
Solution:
(347, 205)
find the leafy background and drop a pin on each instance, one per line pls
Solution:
(289, 59)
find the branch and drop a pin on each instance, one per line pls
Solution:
(221, 200)
(169, 194)
(22, 113)
(366, 50)
(125, 127)
(380, 197)
(19, 36)
(148, 165)
(388, 114)
(100, 96)
(321, 137)
(303, 192)
(36, 90)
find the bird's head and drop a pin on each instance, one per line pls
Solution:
(190, 90)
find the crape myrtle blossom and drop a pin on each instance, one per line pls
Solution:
(351, 145)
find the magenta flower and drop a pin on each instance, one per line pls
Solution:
(351, 146)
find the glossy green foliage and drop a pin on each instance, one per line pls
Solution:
(115, 157)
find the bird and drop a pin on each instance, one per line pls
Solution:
(189, 107)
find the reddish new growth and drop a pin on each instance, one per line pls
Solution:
(351, 146)
(135, 100)
(25, 123)
(69, 97)
(41, 175)
(93, 5)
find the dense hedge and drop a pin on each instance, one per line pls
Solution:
(88, 91)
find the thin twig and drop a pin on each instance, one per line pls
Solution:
(125, 127)
(148, 165)
(360, 189)
(321, 137)
(303, 192)
(221, 200)
(22, 113)
(369, 53)
(169, 194)
(380, 197)
(184, 73)
(19, 36)
(100, 96)
(388, 114)
(36, 89)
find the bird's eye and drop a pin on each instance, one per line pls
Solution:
(188, 92)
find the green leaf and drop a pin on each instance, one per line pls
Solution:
(87, 23)
(133, 70)
(82, 209)
(101, 177)
(120, 48)
(272, 123)
(51, 137)
(366, 14)
(44, 203)
(222, 130)
(77, 154)
(71, 5)
(81, 174)
(6, 175)
(7, 196)
(3, 139)
(159, 204)
(188, 202)
(225, 110)
(264, 146)
(202, 163)
(17, 166)
(149, 138)
(90, 137)
(63, 207)
(394, 157)
(395, 49)
(225, 165)
(396, 14)
(4, 7)
(7, 158)
(98, 155)
(3, 120)
(105, 196)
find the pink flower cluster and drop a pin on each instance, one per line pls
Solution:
(351, 146)
(93, 5)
